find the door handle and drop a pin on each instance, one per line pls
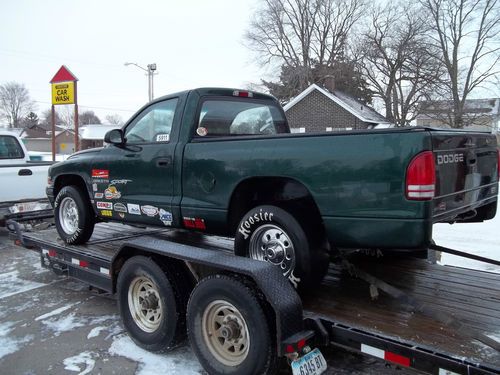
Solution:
(163, 162)
(25, 172)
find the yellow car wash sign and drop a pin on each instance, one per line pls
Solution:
(63, 93)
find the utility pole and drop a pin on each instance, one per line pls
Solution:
(150, 71)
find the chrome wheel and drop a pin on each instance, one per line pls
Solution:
(68, 216)
(145, 304)
(225, 333)
(272, 244)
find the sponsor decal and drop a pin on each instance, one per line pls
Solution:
(107, 213)
(162, 138)
(244, 228)
(166, 217)
(112, 192)
(100, 173)
(98, 195)
(105, 205)
(122, 215)
(120, 207)
(194, 223)
(118, 182)
(150, 211)
(94, 187)
(133, 209)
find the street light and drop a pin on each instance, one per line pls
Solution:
(151, 68)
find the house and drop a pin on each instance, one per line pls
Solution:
(479, 114)
(317, 110)
(38, 138)
(93, 135)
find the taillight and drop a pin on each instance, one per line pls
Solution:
(421, 177)
(243, 94)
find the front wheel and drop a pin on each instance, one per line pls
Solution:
(270, 234)
(73, 215)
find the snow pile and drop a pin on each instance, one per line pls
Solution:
(85, 359)
(179, 361)
(112, 329)
(11, 284)
(481, 239)
(71, 321)
(56, 311)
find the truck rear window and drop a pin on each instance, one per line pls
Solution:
(10, 148)
(226, 117)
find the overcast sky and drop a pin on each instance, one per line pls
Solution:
(193, 42)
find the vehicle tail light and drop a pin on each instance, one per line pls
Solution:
(421, 177)
(243, 94)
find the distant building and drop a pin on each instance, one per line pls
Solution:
(479, 114)
(93, 135)
(318, 110)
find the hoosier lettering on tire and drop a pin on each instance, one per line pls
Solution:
(271, 234)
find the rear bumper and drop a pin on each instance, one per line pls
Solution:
(378, 233)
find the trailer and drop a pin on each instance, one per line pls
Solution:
(242, 316)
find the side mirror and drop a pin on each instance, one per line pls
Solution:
(114, 137)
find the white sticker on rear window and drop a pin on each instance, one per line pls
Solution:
(162, 138)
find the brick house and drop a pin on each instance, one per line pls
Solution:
(318, 110)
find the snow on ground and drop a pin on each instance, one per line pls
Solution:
(56, 311)
(71, 321)
(179, 361)
(85, 358)
(9, 344)
(11, 284)
(477, 238)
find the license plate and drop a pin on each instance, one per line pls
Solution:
(313, 363)
(27, 207)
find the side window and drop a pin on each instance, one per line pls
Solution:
(153, 124)
(220, 117)
(10, 148)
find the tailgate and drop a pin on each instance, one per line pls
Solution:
(466, 175)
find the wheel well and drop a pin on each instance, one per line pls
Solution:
(66, 180)
(285, 193)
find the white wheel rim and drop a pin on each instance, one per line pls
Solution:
(68, 216)
(145, 304)
(225, 333)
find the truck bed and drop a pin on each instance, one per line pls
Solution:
(470, 298)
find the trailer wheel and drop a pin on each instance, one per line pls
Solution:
(228, 329)
(73, 215)
(151, 306)
(271, 234)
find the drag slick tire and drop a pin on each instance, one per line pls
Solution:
(271, 234)
(151, 306)
(228, 329)
(73, 215)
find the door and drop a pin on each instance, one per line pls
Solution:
(134, 182)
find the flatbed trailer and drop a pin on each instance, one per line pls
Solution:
(435, 319)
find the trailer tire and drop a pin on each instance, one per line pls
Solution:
(243, 342)
(73, 215)
(288, 245)
(151, 306)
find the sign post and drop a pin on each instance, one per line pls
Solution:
(63, 92)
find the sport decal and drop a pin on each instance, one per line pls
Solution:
(165, 217)
(107, 213)
(112, 192)
(150, 211)
(105, 205)
(119, 182)
(120, 207)
(133, 209)
(100, 173)
(98, 195)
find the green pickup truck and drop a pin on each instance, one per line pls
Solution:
(224, 162)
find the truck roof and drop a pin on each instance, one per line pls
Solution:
(218, 91)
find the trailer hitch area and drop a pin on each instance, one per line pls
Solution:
(58, 268)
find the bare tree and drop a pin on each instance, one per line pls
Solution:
(15, 103)
(466, 32)
(66, 115)
(114, 119)
(400, 64)
(302, 34)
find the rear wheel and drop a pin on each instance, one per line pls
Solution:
(73, 215)
(228, 329)
(271, 234)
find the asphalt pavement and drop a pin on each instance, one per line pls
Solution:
(51, 324)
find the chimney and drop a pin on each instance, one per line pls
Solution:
(330, 83)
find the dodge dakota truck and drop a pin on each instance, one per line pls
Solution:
(224, 162)
(23, 182)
